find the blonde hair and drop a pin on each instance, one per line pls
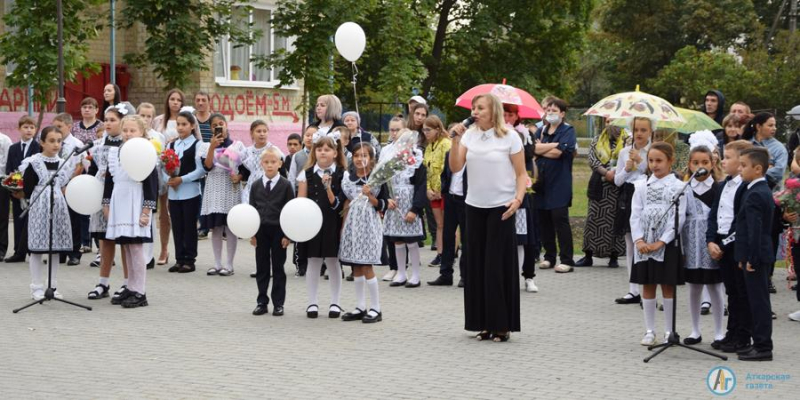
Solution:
(496, 109)
(328, 141)
(270, 150)
(434, 122)
(333, 111)
(138, 121)
(146, 106)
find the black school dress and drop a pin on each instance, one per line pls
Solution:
(326, 243)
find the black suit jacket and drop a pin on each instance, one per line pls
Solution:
(754, 226)
(711, 232)
(447, 176)
(15, 155)
(269, 206)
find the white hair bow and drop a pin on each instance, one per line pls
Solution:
(335, 135)
(122, 108)
(187, 108)
(703, 138)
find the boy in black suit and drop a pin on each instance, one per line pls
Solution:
(753, 250)
(268, 197)
(26, 147)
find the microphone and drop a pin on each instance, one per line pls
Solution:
(700, 173)
(79, 150)
(467, 122)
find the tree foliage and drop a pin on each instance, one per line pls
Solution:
(181, 34)
(30, 42)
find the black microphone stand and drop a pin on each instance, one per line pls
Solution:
(49, 294)
(675, 339)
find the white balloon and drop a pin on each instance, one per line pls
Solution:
(243, 220)
(138, 158)
(301, 219)
(84, 194)
(350, 41)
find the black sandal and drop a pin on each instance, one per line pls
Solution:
(95, 295)
(501, 337)
(312, 314)
(483, 335)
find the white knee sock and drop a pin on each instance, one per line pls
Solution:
(694, 308)
(216, 245)
(360, 283)
(669, 305)
(374, 296)
(231, 245)
(706, 297)
(633, 288)
(413, 255)
(335, 276)
(147, 251)
(37, 271)
(400, 255)
(312, 279)
(649, 306)
(716, 292)
(520, 256)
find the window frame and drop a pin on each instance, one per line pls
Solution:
(226, 81)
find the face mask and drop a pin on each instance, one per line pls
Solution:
(553, 119)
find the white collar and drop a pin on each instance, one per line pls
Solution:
(317, 168)
(654, 179)
(707, 183)
(27, 142)
(756, 181)
(274, 180)
(736, 179)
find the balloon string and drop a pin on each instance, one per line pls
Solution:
(355, 93)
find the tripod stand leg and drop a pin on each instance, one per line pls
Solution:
(26, 306)
(720, 356)
(87, 308)
(660, 350)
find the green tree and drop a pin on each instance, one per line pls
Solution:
(30, 42)
(182, 34)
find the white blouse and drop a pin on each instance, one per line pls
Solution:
(621, 176)
(491, 178)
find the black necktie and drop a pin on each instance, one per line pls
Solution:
(269, 186)
(23, 150)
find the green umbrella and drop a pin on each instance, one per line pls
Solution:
(695, 121)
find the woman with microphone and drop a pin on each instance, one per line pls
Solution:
(496, 176)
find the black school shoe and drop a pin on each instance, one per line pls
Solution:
(120, 295)
(369, 318)
(355, 315)
(134, 300)
(260, 309)
(278, 311)
(692, 341)
(585, 261)
(755, 355)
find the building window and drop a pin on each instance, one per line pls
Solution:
(232, 66)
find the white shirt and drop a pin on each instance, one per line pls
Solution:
(274, 181)
(27, 146)
(457, 183)
(621, 176)
(71, 142)
(701, 187)
(725, 210)
(491, 177)
(756, 181)
(301, 177)
(5, 144)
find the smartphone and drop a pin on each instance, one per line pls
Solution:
(218, 131)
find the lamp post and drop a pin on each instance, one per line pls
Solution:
(113, 66)
(61, 102)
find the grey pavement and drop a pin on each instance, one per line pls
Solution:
(198, 340)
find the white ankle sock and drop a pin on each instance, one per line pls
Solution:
(413, 255)
(669, 305)
(717, 308)
(335, 278)
(374, 296)
(695, 291)
(104, 281)
(361, 301)
(649, 306)
(312, 279)
(125, 282)
(400, 255)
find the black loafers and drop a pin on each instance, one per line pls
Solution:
(442, 281)
(691, 341)
(261, 309)
(755, 355)
(278, 311)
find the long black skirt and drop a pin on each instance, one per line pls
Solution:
(491, 291)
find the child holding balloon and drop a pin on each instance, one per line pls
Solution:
(362, 234)
(36, 171)
(269, 196)
(322, 182)
(128, 206)
(222, 192)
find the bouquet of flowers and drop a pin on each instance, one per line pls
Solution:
(789, 199)
(13, 183)
(171, 162)
(398, 157)
(229, 158)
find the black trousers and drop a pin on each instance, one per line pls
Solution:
(739, 320)
(270, 257)
(432, 227)
(757, 286)
(455, 217)
(20, 229)
(183, 214)
(5, 206)
(491, 289)
(554, 223)
(392, 255)
(75, 225)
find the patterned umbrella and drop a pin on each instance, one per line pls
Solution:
(635, 104)
(693, 121)
(528, 106)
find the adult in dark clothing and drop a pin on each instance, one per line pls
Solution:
(714, 105)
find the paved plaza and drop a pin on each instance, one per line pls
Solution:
(198, 340)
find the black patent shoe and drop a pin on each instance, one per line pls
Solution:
(755, 355)
(151, 264)
(396, 284)
(354, 315)
(586, 261)
(442, 281)
(705, 308)
(261, 309)
(334, 312)
(312, 314)
(134, 300)
(372, 317)
(120, 295)
(175, 267)
(692, 341)
(278, 311)
(629, 300)
(413, 285)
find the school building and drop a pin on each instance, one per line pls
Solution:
(237, 89)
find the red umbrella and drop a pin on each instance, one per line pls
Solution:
(528, 106)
